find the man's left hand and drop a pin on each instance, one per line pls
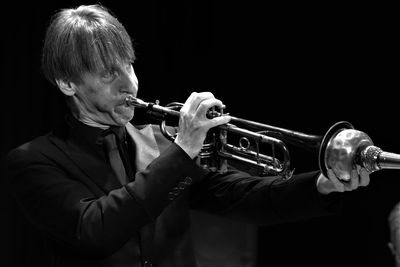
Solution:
(359, 178)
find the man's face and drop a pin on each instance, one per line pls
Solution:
(101, 96)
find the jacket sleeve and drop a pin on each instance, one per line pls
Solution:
(264, 200)
(68, 210)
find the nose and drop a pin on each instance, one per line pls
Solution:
(129, 82)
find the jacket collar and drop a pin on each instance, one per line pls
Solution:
(83, 145)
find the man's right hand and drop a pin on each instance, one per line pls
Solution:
(194, 124)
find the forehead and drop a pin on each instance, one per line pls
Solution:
(110, 63)
(104, 58)
(103, 48)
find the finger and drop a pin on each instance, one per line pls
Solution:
(205, 105)
(186, 106)
(364, 177)
(332, 177)
(197, 99)
(343, 177)
(354, 181)
(220, 120)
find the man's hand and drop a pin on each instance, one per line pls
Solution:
(359, 177)
(194, 124)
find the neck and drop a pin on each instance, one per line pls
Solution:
(80, 116)
(92, 123)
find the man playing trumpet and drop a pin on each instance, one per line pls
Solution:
(99, 191)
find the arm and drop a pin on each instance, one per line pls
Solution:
(269, 198)
(57, 201)
(264, 200)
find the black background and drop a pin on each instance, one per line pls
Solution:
(301, 67)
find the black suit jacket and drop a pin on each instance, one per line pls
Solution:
(76, 213)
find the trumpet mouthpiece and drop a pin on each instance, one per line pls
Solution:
(134, 101)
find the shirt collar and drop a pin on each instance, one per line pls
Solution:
(91, 135)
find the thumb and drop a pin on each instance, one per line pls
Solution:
(220, 120)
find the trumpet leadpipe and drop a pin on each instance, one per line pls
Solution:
(137, 102)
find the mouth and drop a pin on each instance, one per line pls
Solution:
(125, 101)
(124, 110)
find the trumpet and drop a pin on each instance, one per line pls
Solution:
(340, 148)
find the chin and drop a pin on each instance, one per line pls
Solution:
(122, 115)
(122, 120)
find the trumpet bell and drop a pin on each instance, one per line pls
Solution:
(327, 155)
(343, 148)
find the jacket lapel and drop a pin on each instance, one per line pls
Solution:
(162, 142)
(97, 175)
(91, 165)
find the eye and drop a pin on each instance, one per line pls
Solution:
(109, 75)
(129, 66)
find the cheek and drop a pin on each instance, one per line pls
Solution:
(101, 99)
(100, 102)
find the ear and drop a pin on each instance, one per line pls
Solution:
(68, 88)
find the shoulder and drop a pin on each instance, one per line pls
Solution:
(33, 150)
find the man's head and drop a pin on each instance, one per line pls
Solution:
(88, 54)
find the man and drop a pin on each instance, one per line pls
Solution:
(89, 209)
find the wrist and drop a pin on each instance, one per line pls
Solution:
(188, 149)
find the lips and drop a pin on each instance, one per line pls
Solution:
(123, 101)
